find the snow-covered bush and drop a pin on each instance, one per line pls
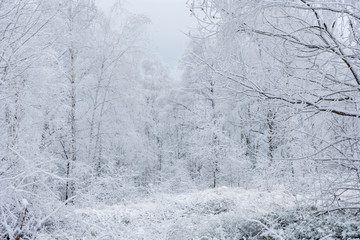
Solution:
(289, 224)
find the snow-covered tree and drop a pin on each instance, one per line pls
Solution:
(300, 56)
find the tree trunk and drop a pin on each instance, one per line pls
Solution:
(73, 105)
(95, 105)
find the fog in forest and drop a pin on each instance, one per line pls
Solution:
(179, 120)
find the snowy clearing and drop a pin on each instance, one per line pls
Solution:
(169, 216)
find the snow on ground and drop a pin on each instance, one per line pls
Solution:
(169, 216)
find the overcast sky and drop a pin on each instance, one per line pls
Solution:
(170, 19)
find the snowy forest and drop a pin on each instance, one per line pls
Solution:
(258, 139)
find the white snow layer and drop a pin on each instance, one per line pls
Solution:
(169, 216)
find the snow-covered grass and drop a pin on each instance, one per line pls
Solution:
(168, 216)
